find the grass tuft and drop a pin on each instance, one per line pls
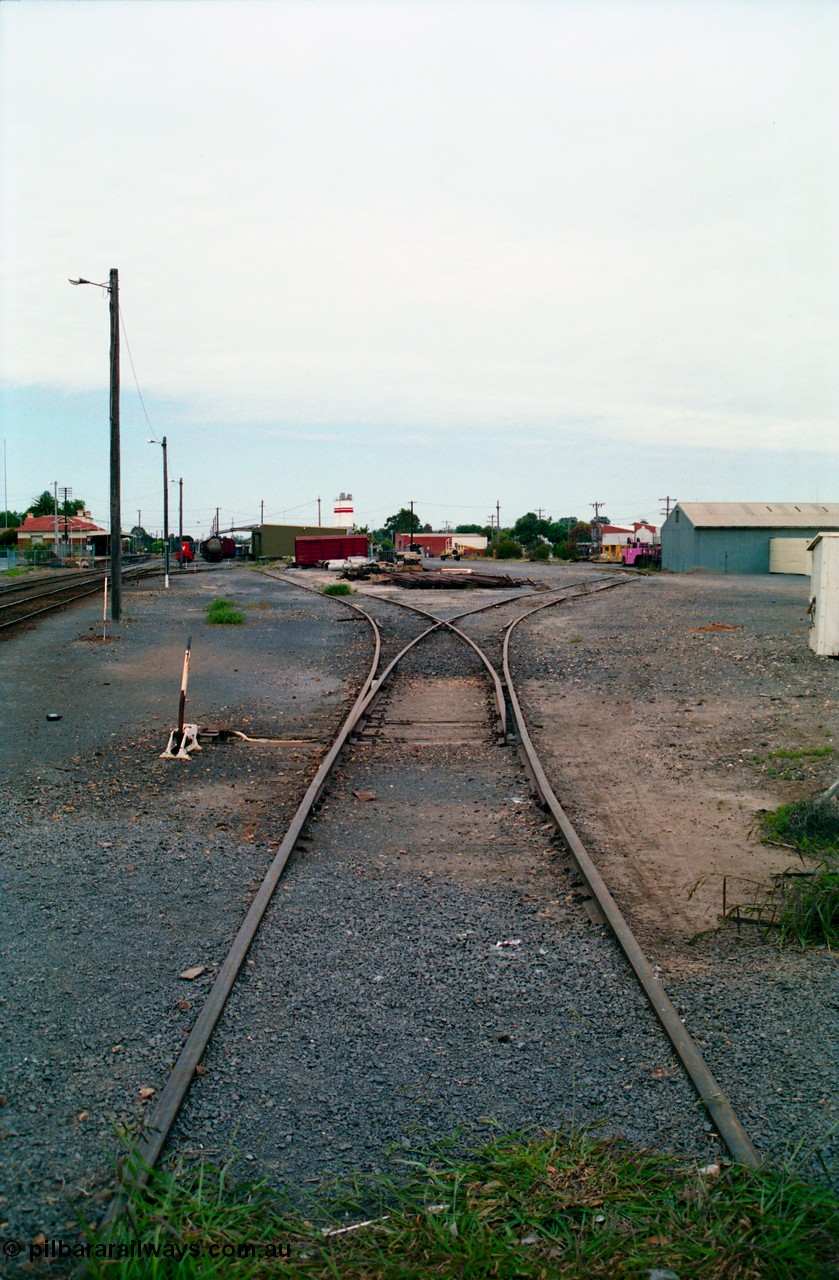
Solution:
(811, 826)
(541, 1205)
(337, 589)
(224, 612)
(807, 907)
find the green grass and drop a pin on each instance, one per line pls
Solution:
(545, 1205)
(14, 572)
(807, 907)
(806, 825)
(224, 612)
(337, 589)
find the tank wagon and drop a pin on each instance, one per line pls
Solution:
(312, 551)
(215, 549)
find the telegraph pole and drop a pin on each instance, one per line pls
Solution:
(116, 523)
(55, 518)
(498, 518)
(598, 536)
(116, 520)
(667, 501)
(262, 511)
(181, 523)
(318, 512)
(66, 497)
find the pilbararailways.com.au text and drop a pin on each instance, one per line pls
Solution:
(114, 1250)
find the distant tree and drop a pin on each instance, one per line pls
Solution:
(471, 528)
(508, 548)
(140, 538)
(577, 534)
(10, 519)
(426, 528)
(44, 505)
(403, 522)
(529, 528)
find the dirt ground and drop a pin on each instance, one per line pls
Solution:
(671, 713)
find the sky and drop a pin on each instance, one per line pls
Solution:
(534, 253)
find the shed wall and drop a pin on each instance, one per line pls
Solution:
(278, 539)
(686, 549)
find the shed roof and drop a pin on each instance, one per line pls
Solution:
(762, 515)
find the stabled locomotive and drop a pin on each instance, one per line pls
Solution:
(215, 549)
(186, 551)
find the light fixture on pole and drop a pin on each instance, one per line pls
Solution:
(116, 521)
(162, 443)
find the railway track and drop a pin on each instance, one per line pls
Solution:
(432, 692)
(25, 602)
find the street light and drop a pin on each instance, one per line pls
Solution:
(165, 512)
(116, 520)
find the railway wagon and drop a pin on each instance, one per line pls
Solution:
(311, 551)
(215, 549)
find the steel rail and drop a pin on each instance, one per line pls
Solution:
(728, 1126)
(159, 1124)
(58, 604)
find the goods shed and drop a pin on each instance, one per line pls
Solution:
(273, 541)
(734, 537)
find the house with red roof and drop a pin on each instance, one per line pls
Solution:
(80, 533)
(615, 536)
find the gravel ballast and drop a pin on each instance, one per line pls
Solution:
(377, 1007)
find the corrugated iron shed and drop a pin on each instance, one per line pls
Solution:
(761, 515)
(734, 537)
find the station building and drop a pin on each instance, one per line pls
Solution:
(743, 537)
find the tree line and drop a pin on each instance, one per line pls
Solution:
(531, 533)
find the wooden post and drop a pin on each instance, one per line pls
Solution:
(116, 520)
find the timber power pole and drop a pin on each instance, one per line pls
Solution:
(116, 519)
(667, 501)
(595, 524)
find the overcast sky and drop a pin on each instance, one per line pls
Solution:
(536, 253)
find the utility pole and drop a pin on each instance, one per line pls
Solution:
(66, 495)
(116, 519)
(318, 512)
(139, 526)
(5, 491)
(262, 512)
(165, 517)
(539, 511)
(412, 520)
(667, 501)
(116, 523)
(498, 518)
(55, 518)
(217, 523)
(181, 523)
(596, 529)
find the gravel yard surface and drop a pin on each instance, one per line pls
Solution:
(427, 968)
(660, 710)
(426, 964)
(119, 871)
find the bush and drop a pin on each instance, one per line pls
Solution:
(224, 612)
(508, 549)
(807, 907)
(337, 589)
(542, 552)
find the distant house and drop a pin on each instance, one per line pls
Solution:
(615, 536)
(80, 533)
(735, 537)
